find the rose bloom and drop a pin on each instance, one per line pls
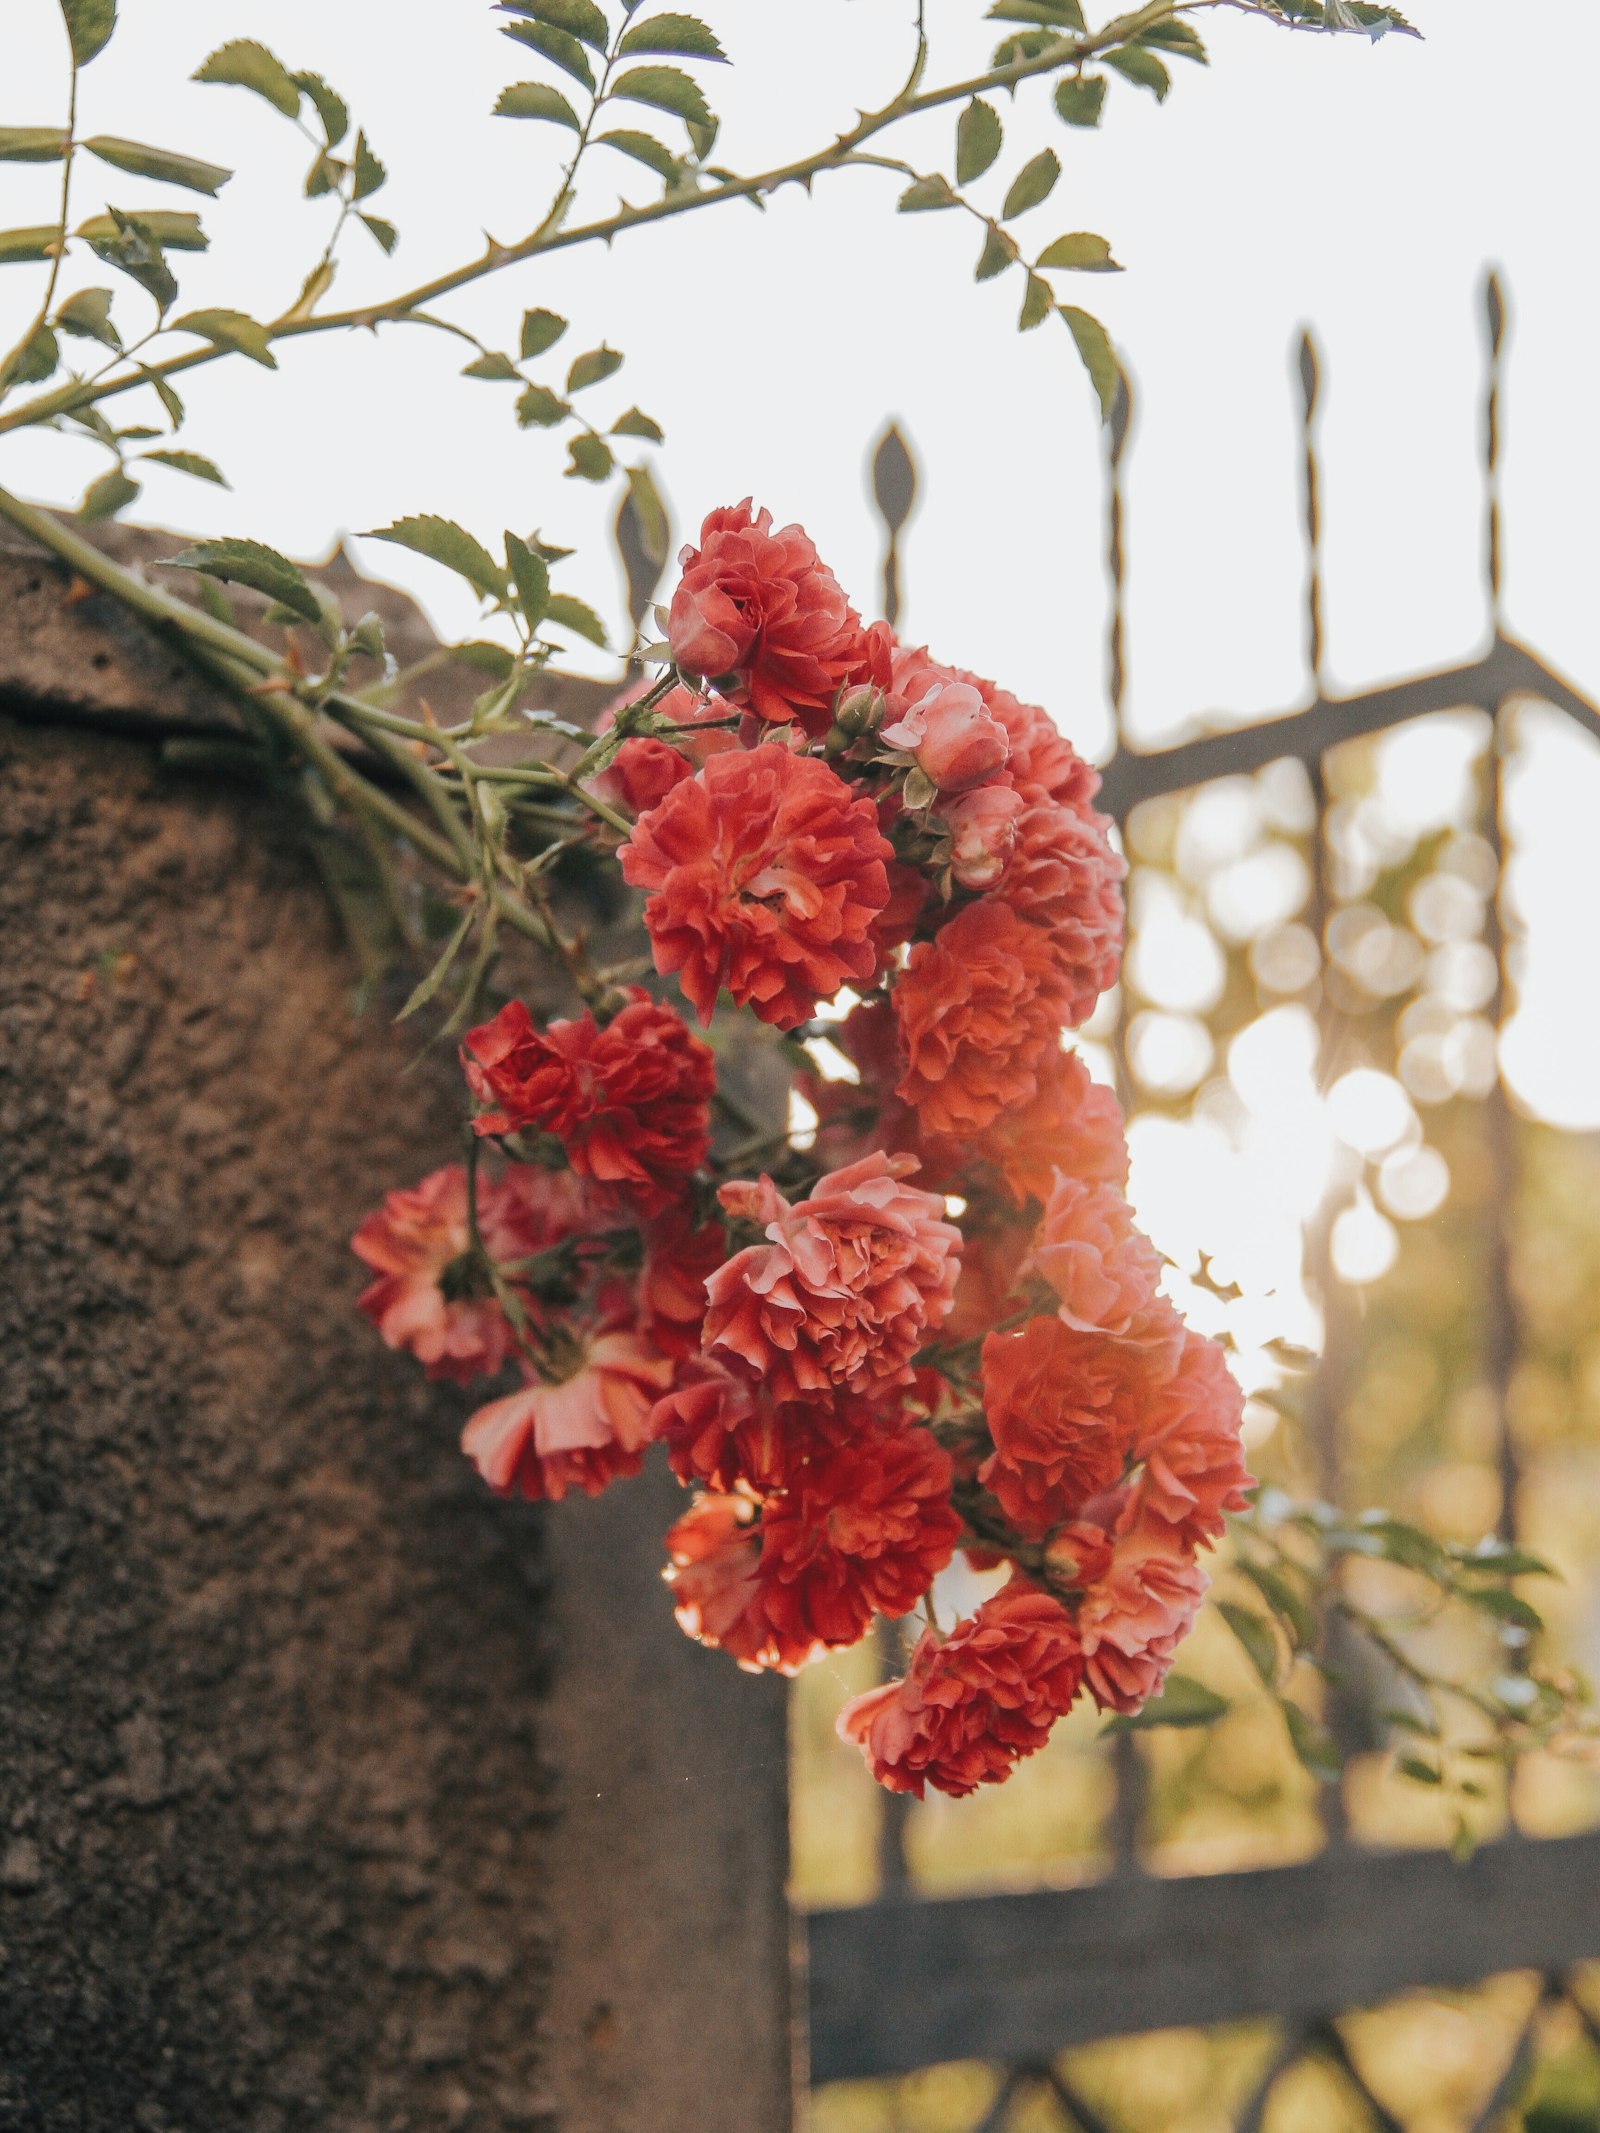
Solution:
(428, 1298)
(974, 1704)
(581, 1431)
(994, 1253)
(720, 1430)
(1133, 1617)
(982, 826)
(761, 607)
(1070, 1123)
(1065, 1410)
(678, 1258)
(1044, 765)
(629, 1102)
(765, 874)
(645, 769)
(950, 736)
(714, 1569)
(847, 1285)
(1104, 1270)
(863, 1530)
(1194, 1468)
(979, 1006)
(1064, 877)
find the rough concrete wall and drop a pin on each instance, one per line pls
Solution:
(302, 1805)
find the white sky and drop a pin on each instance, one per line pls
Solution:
(1301, 178)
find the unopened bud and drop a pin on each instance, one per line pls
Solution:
(859, 710)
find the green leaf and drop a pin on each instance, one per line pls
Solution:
(158, 163)
(194, 463)
(530, 574)
(441, 969)
(644, 148)
(667, 89)
(1183, 1702)
(680, 34)
(576, 616)
(580, 18)
(1286, 1603)
(174, 230)
(539, 408)
(590, 368)
(1419, 1772)
(1025, 45)
(244, 64)
(1177, 38)
(136, 248)
(32, 144)
(104, 498)
(651, 514)
(443, 541)
(1094, 347)
(536, 100)
(999, 252)
(560, 47)
(36, 359)
(313, 289)
(20, 245)
(591, 460)
(230, 329)
(1506, 1607)
(88, 314)
(164, 393)
(703, 138)
(636, 424)
(331, 107)
(252, 563)
(89, 26)
(541, 330)
(370, 173)
(1082, 252)
(978, 138)
(384, 233)
(1034, 182)
(1254, 1633)
(1058, 15)
(1037, 303)
(1137, 65)
(1312, 1744)
(1081, 99)
(493, 366)
(1502, 1559)
(926, 194)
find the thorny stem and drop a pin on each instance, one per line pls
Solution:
(59, 249)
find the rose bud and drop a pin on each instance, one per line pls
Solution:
(955, 740)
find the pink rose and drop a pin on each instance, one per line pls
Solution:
(952, 736)
(1102, 1268)
(983, 831)
(1133, 1618)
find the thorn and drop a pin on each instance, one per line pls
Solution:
(78, 590)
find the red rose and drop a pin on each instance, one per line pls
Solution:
(1063, 876)
(951, 736)
(645, 769)
(765, 875)
(1070, 1123)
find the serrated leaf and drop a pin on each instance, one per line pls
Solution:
(230, 329)
(104, 498)
(331, 107)
(313, 289)
(174, 230)
(425, 991)
(370, 173)
(484, 657)
(703, 138)
(637, 424)
(36, 359)
(530, 574)
(1026, 45)
(679, 34)
(999, 251)
(1312, 1744)
(383, 233)
(443, 541)
(536, 100)
(1081, 252)
(164, 392)
(667, 89)
(580, 18)
(1093, 344)
(499, 367)
(1081, 99)
(591, 367)
(244, 64)
(541, 330)
(194, 463)
(591, 458)
(32, 144)
(88, 314)
(1178, 38)
(978, 139)
(254, 564)
(135, 247)
(1506, 1607)
(560, 47)
(651, 514)
(18, 246)
(539, 408)
(1037, 304)
(161, 164)
(1254, 1633)
(644, 148)
(89, 27)
(1183, 1702)
(925, 195)
(1034, 182)
(322, 178)
(577, 616)
(1058, 15)
(1501, 1559)
(1286, 1603)
(1137, 65)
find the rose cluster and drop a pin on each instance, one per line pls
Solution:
(935, 1327)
